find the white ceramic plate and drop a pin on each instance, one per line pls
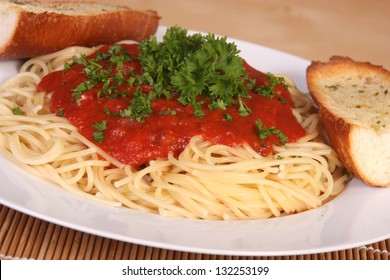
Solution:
(359, 216)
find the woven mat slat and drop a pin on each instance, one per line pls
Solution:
(6, 219)
(47, 239)
(23, 243)
(17, 228)
(69, 240)
(26, 237)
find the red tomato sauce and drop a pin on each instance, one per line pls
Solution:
(135, 143)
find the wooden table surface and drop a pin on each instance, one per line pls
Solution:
(311, 29)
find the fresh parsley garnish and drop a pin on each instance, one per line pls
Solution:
(168, 112)
(98, 136)
(160, 59)
(263, 132)
(227, 117)
(139, 108)
(16, 110)
(194, 65)
(110, 77)
(204, 71)
(60, 112)
(81, 88)
(268, 90)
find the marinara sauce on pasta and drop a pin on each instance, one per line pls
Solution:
(93, 123)
(171, 125)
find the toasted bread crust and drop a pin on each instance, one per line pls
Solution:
(343, 130)
(40, 33)
(337, 129)
(339, 132)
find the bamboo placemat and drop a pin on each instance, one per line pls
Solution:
(25, 237)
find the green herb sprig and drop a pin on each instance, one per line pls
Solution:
(98, 136)
(195, 65)
(16, 110)
(268, 90)
(263, 132)
(110, 77)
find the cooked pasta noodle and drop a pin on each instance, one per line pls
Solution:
(205, 181)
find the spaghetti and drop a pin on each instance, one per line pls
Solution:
(204, 181)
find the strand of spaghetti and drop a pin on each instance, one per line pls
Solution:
(127, 201)
(75, 151)
(44, 64)
(124, 197)
(303, 196)
(187, 199)
(22, 155)
(179, 183)
(89, 184)
(53, 176)
(240, 207)
(274, 208)
(23, 119)
(21, 79)
(99, 151)
(72, 178)
(139, 185)
(317, 186)
(102, 190)
(18, 93)
(251, 164)
(37, 66)
(286, 203)
(48, 172)
(317, 148)
(83, 164)
(299, 193)
(310, 124)
(246, 198)
(185, 181)
(30, 141)
(26, 127)
(253, 154)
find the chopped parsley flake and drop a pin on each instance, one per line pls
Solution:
(264, 132)
(98, 136)
(268, 90)
(168, 112)
(139, 109)
(61, 112)
(16, 110)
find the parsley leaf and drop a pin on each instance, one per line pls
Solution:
(168, 112)
(160, 59)
(268, 90)
(139, 108)
(98, 135)
(81, 88)
(61, 112)
(16, 110)
(263, 132)
(116, 57)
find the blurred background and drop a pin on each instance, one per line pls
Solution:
(311, 29)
